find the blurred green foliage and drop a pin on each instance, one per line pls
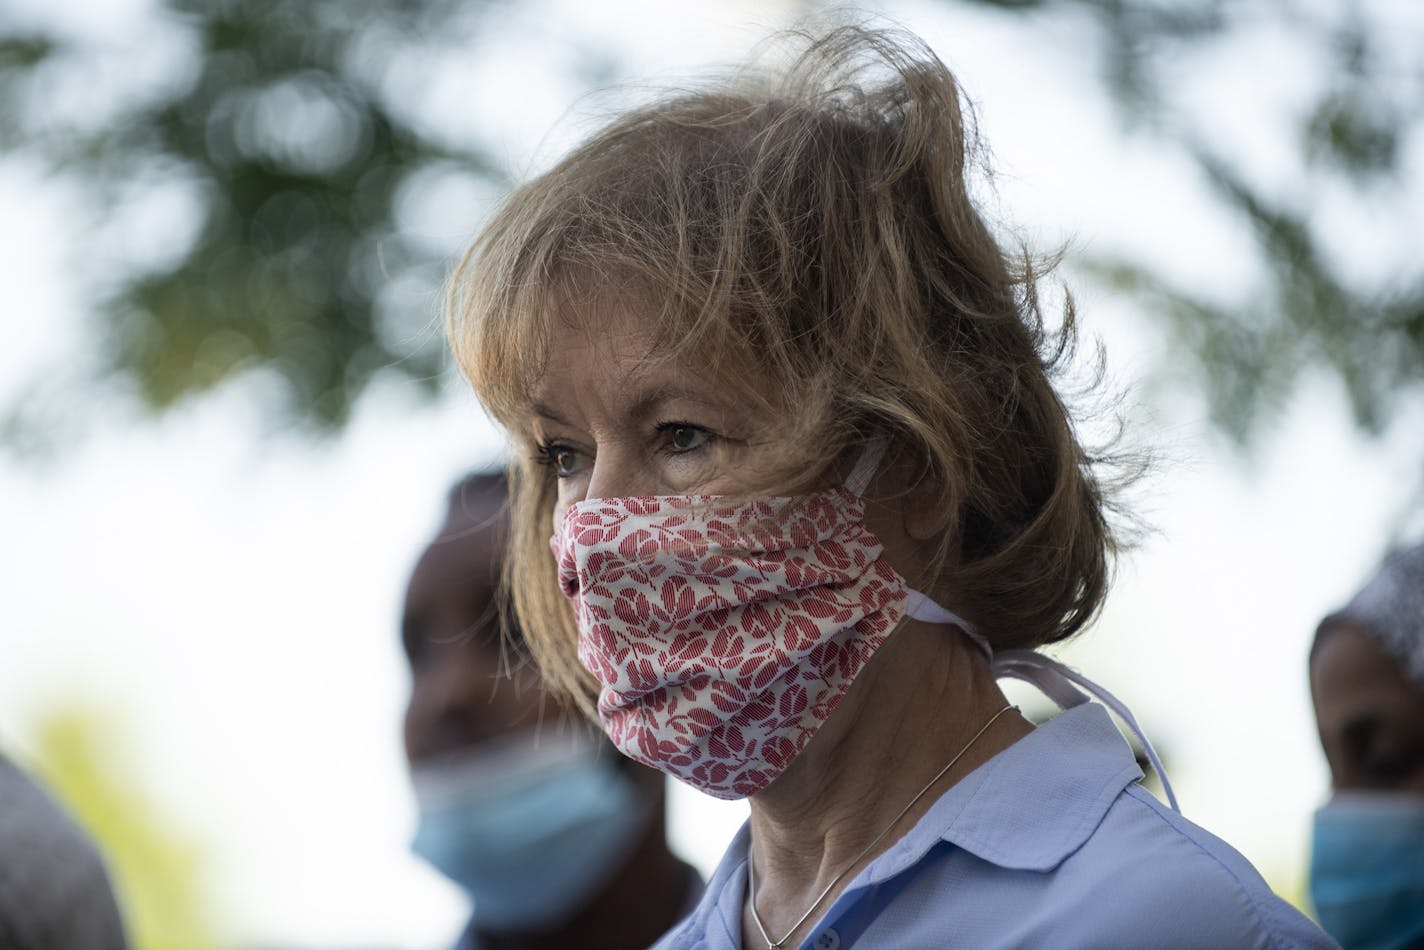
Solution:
(157, 877)
(1353, 136)
(277, 133)
(278, 129)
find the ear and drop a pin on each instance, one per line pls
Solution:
(925, 514)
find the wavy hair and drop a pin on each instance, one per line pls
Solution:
(810, 236)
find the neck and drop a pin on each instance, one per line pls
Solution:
(916, 706)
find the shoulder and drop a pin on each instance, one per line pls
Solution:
(1143, 878)
(1053, 843)
(1175, 884)
(701, 931)
(54, 890)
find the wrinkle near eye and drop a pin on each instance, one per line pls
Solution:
(642, 427)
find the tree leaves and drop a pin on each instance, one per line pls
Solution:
(298, 163)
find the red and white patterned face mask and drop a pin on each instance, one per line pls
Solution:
(724, 635)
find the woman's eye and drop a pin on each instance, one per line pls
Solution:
(565, 461)
(685, 438)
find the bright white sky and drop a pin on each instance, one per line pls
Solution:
(230, 604)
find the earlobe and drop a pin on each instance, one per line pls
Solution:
(926, 516)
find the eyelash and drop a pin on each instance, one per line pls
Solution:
(547, 453)
(666, 430)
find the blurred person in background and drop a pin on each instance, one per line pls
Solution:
(557, 839)
(1367, 682)
(54, 891)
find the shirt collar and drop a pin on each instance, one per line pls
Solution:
(1034, 803)
(1028, 808)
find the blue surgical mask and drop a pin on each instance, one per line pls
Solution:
(1367, 870)
(530, 827)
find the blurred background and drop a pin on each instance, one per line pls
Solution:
(227, 421)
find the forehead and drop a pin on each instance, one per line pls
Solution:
(612, 331)
(1350, 675)
(631, 356)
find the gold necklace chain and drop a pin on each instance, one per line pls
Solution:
(751, 865)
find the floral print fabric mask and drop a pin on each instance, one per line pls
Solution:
(724, 635)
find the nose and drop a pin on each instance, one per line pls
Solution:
(618, 472)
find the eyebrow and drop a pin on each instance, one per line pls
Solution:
(647, 403)
(540, 409)
(642, 407)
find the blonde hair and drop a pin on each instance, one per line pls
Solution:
(817, 227)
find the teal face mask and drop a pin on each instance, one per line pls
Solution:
(1367, 870)
(531, 830)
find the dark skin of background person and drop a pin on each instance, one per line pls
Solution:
(1367, 683)
(461, 697)
(1370, 716)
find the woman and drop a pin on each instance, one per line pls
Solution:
(784, 398)
(1367, 680)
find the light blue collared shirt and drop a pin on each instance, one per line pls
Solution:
(1050, 844)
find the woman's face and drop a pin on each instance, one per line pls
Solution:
(609, 422)
(1371, 718)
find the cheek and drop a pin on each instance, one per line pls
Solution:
(1341, 774)
(1416, 787)
(906, 555)
(556, 517)
(413, 730)
(568, 491)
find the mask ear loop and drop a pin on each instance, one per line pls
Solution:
(919, 605)
(1057, 682)
(865, 467)
(1053, 679)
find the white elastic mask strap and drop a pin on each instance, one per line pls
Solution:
(920, 607)
(1060, 684)
(865, 466)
